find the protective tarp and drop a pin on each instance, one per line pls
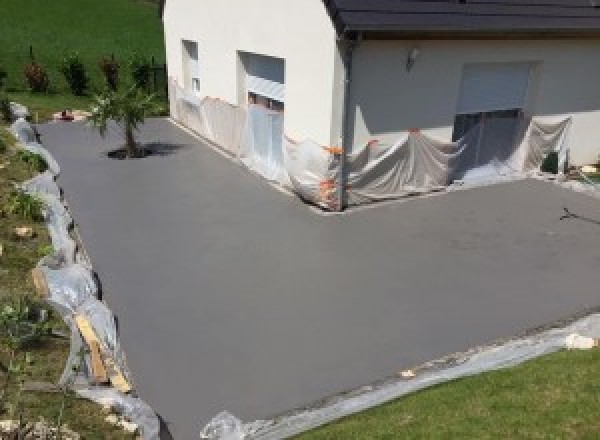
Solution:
(312, 172)
(256, 138)
(453, 367)
(73, 291)
(492, 150)
(261, 149)
(543, 138)
(416, 164)
(216, 120)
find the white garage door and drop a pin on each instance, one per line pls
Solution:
(494, 87)
(265, 76)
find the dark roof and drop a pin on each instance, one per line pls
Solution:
(466, 17)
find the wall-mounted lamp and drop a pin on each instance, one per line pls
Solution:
(412, 58)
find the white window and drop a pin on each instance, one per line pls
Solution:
(191, 65)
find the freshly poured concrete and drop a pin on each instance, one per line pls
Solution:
(233, 296)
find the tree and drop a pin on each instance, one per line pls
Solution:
(128, 109)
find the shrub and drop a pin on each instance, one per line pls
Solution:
(5, 113)
(140, 71)
(3, 148)
(3, 76)
(25, 205)
(74, 72)
(36, 77)
(550, 163)
(20, 323)
(35, 161)
(110, 69)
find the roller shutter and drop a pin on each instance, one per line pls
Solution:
(494, 87)
(266, 76)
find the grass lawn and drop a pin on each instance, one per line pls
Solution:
(556, 396)
(49, 355)
(55, 28)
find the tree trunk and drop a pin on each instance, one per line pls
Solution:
(130, 146)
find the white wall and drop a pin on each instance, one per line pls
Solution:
(300, 31)
(386, 99)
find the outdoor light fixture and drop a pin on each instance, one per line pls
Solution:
(412, 58)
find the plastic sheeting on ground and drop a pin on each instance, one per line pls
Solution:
(226, 426)
(73, 292)
(418, 164)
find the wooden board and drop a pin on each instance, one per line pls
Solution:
(40, 283)
(103, 365)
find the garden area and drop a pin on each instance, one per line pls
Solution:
(34, 341)
(57, 56)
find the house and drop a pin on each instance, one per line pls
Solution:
(513, 76)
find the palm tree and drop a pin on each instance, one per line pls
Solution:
(128, 109)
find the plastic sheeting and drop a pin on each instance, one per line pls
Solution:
(498, 147)
(256, 138)
(73, 291)
(261, 148)
(225, 426)
(491, 150)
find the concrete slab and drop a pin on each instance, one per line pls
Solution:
(233, 296)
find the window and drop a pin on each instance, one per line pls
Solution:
(264, 80)
(191, 65)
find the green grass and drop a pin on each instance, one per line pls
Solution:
(92, 28)
(553, 397)
(16, 262)
(595, 177)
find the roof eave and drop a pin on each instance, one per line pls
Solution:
(392, 32)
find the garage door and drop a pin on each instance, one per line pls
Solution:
(265, 76)
(494, 87)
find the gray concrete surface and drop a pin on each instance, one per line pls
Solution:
(233, 296)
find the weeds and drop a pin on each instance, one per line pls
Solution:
(35, 161)
(25, 206)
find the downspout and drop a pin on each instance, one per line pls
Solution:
(351, 45)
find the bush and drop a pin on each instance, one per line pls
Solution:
(35, 161)
(3, 76)
(5, 113)
(3, 149)
(550, 163)
(110, 69)
(36, 77)
(140, 71)
(74, 72)
(25, 205)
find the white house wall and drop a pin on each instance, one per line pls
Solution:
(299, 31)
(387, 99)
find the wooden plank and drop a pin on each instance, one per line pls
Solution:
(98, 369)
(110, 368)
(40, 283)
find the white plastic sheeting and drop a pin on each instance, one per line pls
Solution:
(313, 173)
(256, 138)
(497, 148)
(414, 165)
(261, 148)
(73, 291)
(418, 164)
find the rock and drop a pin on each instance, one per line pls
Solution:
(578, 342)
(7, 426)
(407, 374)
(589, 169)
(24, 232)
(113, 419)
(128, 426)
